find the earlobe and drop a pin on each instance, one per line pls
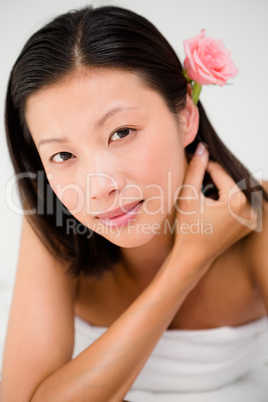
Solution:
(190, 121)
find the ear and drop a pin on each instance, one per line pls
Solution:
(189, 120)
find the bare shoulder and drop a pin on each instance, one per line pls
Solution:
(36, 265)
(40, 330)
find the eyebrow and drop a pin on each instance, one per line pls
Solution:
(99, 123)
(53, 140)
(114, 111)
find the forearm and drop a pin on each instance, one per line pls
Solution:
(106, 370)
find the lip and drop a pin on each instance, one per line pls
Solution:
(120, 216)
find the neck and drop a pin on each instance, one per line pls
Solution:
(142, 263)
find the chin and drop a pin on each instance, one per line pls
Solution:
(128, 239)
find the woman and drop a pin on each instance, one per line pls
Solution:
(101, 123)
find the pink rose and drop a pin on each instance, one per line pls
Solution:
(207, 60)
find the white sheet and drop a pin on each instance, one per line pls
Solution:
(222, 364)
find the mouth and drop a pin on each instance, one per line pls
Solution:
(120, 216)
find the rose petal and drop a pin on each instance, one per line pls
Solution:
(208, 61)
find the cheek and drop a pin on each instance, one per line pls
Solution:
(165, 161)
(71, 195)
(161, 173)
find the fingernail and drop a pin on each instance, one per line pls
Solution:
(200, 149)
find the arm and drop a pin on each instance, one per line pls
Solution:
(40, 330)
(40, 336)
(107, 368)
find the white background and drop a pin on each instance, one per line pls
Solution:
(238, 111)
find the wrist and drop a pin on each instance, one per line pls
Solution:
(187, 268)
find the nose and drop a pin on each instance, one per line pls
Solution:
(100, 186)
(104, 179)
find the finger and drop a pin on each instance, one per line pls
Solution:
(230, 192)
(196, 170)
(220, 178)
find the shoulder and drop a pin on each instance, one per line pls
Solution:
(35, 261)
(256, 251)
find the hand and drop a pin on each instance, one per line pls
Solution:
(207, 227)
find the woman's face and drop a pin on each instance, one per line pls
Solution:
(112, 151)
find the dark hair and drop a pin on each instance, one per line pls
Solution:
(104, 37)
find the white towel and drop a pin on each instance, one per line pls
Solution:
(221, 364)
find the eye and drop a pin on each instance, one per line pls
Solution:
(122, 133)
(61, 157)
